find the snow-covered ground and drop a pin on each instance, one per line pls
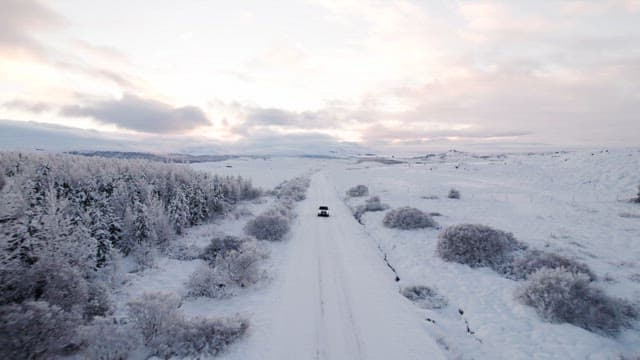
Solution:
(572, 204)
(329, 294)
(264, 172)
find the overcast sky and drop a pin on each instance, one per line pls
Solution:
(378, 73)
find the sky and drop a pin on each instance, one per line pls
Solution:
(381, 74)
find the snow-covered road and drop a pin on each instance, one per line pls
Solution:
(337, 299)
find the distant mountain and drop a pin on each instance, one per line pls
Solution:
(169, 158)
(33, 136)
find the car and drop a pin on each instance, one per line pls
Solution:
(323, 211)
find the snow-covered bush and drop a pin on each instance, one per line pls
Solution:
(153, 313)
(2, 181)
(167, 333)
(106, 339)
(267, 227)
(197, 337)
(294, 189)
(371, 204)
(181, 251)
(144, 255)
(57, 283)
(425, 297)
(237, 189)
(454, 194)
(99, 303)
(478, 246)
(36, 330)
(374, 204)
(561, 296)
(62, 286)
(283, 209)
(531, 261)
(208, 282)
(227, 267)
(357, 191)
(241, 267)
(220, 246)
(241, 212)
(407, 218)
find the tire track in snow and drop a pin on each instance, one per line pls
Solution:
(336, 301)
(346, 302)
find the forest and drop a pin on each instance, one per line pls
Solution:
(66, 221)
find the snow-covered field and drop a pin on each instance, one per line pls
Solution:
(572, 204)
(328, 293)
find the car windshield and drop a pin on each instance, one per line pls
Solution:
(324, 208)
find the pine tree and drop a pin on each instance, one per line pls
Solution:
(179, 211)
(106, 229)
(143, 231)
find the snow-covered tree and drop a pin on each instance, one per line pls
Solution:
(63, 218)
(142, 228)
(179, 211)
(36, 330)
(106, 229)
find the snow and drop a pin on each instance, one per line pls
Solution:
(265, 172)
(565, 203)
(336, 298)
(329, 294)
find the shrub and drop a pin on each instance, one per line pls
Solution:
(284, 209)
(220, 246)
(408, 218)
(180, 251)
(108, 340)
(560, 296)
(478, 246)
(636, 200)
(425, 297)
(357, 191)
(167, 334)
(198, 336)
(144, 255)
(241, 267)
(293, 189)
(238, 267)
(267, 227)
(371, 204)
(454, 194)
(98, 302)
(153, 313)
(2, 181)
(207, 282)
(534, 260)
(36, 330)
(49, 280)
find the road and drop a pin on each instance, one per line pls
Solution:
(337, 299)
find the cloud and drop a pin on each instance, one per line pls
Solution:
(311, 143)
(280, 117)
(145, 115)
(20, 135)
(21, 20)
(381, 134)
(36, 107)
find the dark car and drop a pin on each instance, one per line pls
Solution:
(323, 211)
